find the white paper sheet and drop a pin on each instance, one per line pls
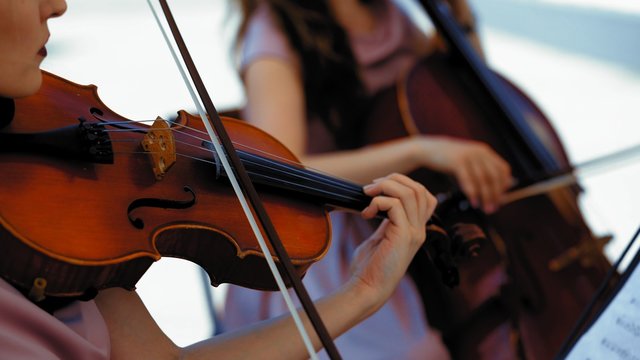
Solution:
(616, 333)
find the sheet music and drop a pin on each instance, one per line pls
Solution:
(616, 333)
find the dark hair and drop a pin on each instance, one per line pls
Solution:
(332, 86)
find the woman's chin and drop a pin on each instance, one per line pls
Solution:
(28, 86)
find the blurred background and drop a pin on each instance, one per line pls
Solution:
(579, 60)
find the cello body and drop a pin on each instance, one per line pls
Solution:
(522, 295)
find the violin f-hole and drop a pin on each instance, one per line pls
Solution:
(159, 203)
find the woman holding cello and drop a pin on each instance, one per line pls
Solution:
(116, 324)
(321, 61)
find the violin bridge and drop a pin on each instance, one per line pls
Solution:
(160, 144)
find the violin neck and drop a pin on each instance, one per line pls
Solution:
(298, 181)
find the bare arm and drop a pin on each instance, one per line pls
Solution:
(277, 105)
(379, 264)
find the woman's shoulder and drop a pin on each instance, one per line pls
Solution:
(262, 17)
(264, 37)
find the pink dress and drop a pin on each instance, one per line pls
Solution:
(76, 331)
(399, 329)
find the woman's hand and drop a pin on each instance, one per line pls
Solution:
(482, 174)
(380, 262)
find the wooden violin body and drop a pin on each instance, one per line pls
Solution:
(543, 264)
(82, 225)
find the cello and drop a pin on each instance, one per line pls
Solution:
(521, 297)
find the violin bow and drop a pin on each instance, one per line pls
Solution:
(242, 185)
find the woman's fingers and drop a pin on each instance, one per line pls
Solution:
(394, 209)
(484, 177)
(425, 207)
(481, 173)
(408, 206)
(415, 201)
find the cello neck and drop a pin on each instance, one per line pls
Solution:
(460, 48)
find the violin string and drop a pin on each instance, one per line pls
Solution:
(300, 176)
(312, 173)
(348, 192)
(352, 196)
(306, 175)
(243, 146)
(120, 130)
(115, 141)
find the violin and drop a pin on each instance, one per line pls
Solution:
(542, 264)
(91, 199)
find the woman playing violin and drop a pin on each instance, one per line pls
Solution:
(309, 69)
(117, 325)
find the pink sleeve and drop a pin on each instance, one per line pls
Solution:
(77, 331)
(264, 38)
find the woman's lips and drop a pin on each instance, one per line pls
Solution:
(43, 52)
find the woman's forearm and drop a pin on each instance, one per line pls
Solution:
(368, 163)
(339, 312)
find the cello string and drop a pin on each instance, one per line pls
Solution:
(240, 195)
